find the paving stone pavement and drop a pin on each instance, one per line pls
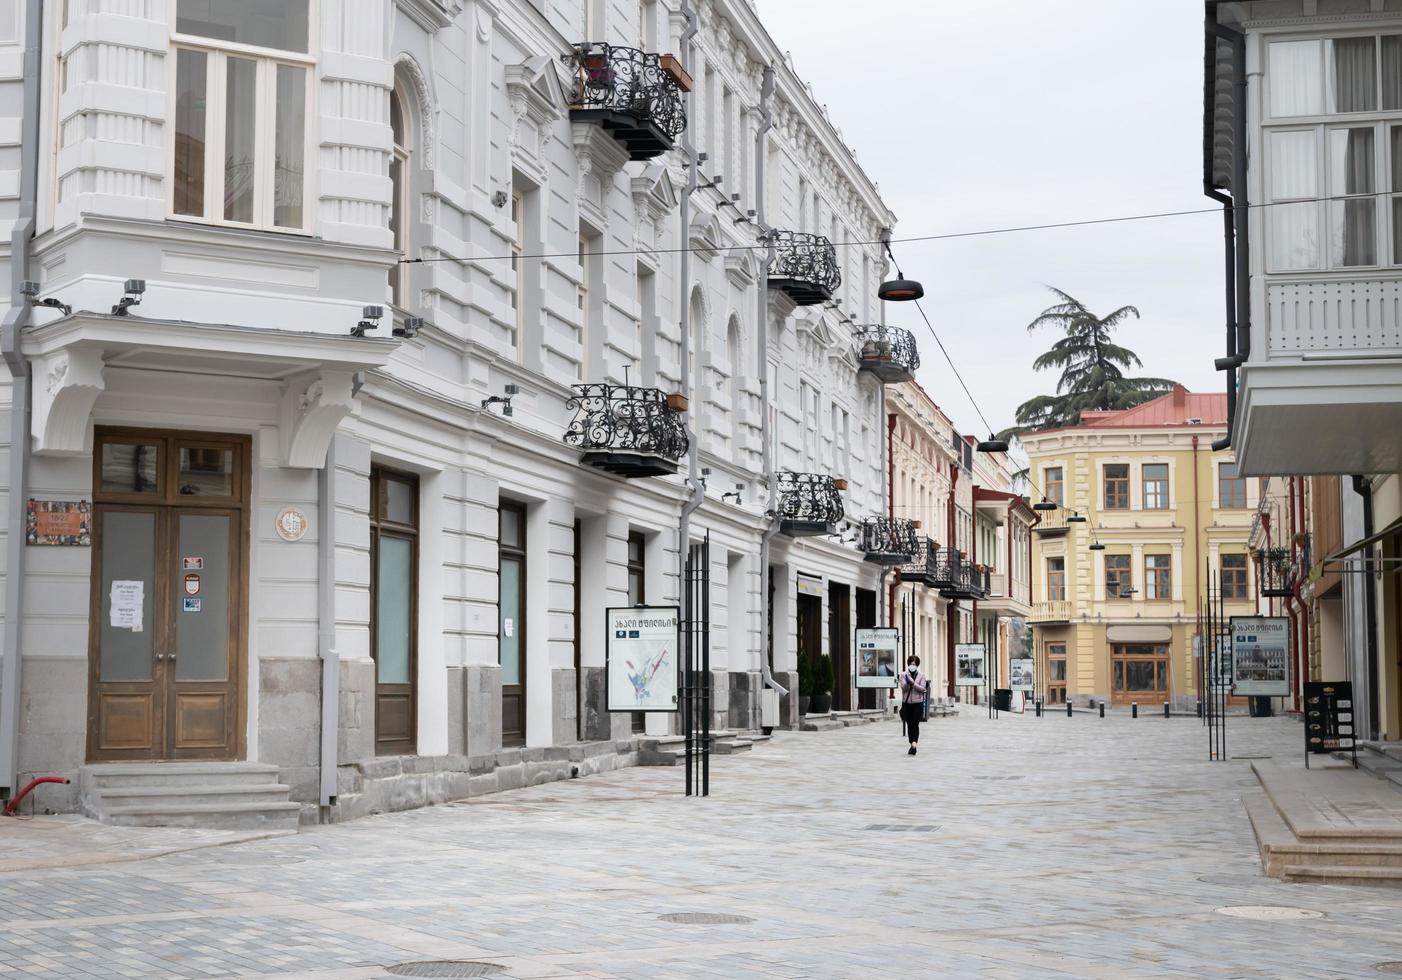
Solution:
(1051, 847)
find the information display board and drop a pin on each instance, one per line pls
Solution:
(1022, 674)
(1328, 718)
(642, 650)
(1261, 656)
(969, 663)
(877, 656)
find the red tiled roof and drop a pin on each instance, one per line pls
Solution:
(1172, 409)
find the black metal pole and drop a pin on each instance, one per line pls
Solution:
(689, 607)
(706, 666)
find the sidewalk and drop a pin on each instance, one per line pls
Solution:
(69, 840)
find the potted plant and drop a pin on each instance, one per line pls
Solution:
(805, 687)
(838, 483)
(598, 74)
(822, 685)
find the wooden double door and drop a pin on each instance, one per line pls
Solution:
(168, 605)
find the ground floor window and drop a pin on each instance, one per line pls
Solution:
(1056, 673)
(1139, 672)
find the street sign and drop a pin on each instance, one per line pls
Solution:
(877, 656)
(641, 650)
(1261, 655)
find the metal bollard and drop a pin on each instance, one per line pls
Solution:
(1134, 709)
(1038, 704)
(1068, 707)
(1165, 710)
(1199, 709)
(1102, 709)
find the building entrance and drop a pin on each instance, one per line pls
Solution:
(168, 604)
(1139, 672)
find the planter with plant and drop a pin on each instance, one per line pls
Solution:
(822, 685)
(805, 687)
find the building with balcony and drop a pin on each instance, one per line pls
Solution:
(1302, 121)
(346, 410)
(1116, 598)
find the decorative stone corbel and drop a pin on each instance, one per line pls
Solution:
(599, 155)
(310, 412)
(66, 384)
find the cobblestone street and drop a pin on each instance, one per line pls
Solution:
(1018, 847)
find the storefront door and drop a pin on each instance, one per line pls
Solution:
(1139, 673)
(167, 610)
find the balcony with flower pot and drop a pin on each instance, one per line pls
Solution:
(920, 570)
(635, 96)
(628, 431)
(809, 504)
(804, 268)
(888, 354)
(889, 540)
(1277, 570)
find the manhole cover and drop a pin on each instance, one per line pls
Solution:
(706, 919)
(1268, 913)
(1393, 967)
(450, 969)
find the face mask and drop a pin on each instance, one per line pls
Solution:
(915, 668)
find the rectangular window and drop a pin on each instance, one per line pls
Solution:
(1293, 176)
(518, 267)
(511, 627)
(1053, 485)
(1158, 576)
(394, 531)
(637, 593)
(582, 300)
(1155, 486)
(1233, 577)
(1231, 489)
(1117, 486)
(1118, 583)
(1351, 81)
(1352, 206)
(1056, 579)
(245, 163)
(1296, 78)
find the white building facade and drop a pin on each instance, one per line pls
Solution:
(430, 313)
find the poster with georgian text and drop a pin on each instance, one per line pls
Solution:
(642, 651)
(876, 657)
(970, 659)
(1261, 656)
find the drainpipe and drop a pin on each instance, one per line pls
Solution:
(14, 321)
(951, 611)
(326, 625)
(891, 499)
(766, 92)
(1197, 528)
(1363, 486)
(1238, 231)
(693, 480)
(1296, 604)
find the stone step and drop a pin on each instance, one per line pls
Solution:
(126, 774)
(217, 816)
(176, 796)
(1343, 875)
(731, 746)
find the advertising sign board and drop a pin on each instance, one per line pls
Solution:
(1261, 655)
(642, 651)
(877, 660)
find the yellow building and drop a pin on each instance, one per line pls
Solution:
(1117, 596)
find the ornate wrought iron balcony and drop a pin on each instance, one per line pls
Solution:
(889, 353)
(634, 95)
(1277, 570)
(805, 267)
(921, 568)
(626, 431)
(809, 504)
(889, 540)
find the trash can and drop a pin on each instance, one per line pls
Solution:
(1003, 698)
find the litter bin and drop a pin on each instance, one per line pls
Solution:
(1003, 698)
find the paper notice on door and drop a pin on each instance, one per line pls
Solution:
(508, 627)
(127, 597)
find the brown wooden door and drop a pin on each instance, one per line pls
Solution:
(168, 597)
(511, 631)
(840, 644)
(394, 552)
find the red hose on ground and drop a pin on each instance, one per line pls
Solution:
(11, 806)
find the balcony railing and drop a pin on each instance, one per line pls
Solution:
(805, 267)
(632, 94)
(1279, 569)
(809, 504)
(961, 578)
(1053, 522)
(921, 567)
(627, 431)
(1053, 611)
(888, 353)
(889, 540)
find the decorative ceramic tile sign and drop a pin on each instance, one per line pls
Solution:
(642, 649)
(876, 656)
(58, 522)
(1261, 656)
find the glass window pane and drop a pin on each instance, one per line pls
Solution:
(1351, 161)
(239, 129)
(1296, 78)
(1392, 71)
(191, 80)
(1058, 670)
(289, 146)
(278, 24)
(202, 628)
(393, 609)
(128, 556)
(1353, 74)
(1293, 231)
(128, 468)
(399, 501)
(510, 532)
(1293, 166)
(1353, 232)
(509, 638)
(206, 472)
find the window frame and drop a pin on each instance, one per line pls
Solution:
(266, 60)
(1237, 594)
(1156, 575)
(1059, 496)
(517, 216)
(1127, 570)
(1223, 502)
(1105, 486)
(401, 153)
(1162, 500)
(1056, 576)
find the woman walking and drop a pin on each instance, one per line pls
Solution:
(914, 687)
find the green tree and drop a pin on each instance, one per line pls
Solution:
(1092, 367)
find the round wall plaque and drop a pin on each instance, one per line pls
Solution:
(291, 524)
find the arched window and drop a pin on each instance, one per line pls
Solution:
(399, 171)
(735, 365)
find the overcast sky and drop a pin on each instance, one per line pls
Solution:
(979, 115)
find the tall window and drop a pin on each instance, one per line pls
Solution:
(1056, 579)
(1233, 576)
(1118, 581)
(394, 534)
(1158, 576)
(1053, 485)
(1056, 673)
(586, 273)
(1155, 486)
(1316, 91)
(242, 112)
(518, 269)
(637, 592)
(1117, 486)
(399, 193)
(735, 358)
(511, 627)
(1231, 489)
